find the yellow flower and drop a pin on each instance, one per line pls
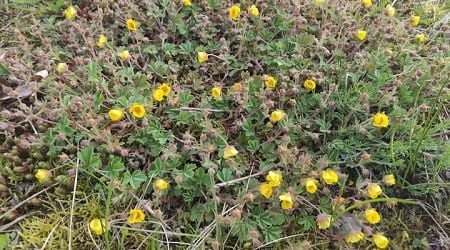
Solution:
(216, 92)
(421, 38)
(361, 34)
(202, 57)
(380, 120)
(97, 226)
(329, 176)
(323, 221)
(71, 13)
(355, 236)
(235, 11)
(115, 114)
(101, 41)
(367, 3)
(124, 55)
(415, 20)
(277, 115)
(266, 190)
(319, 2)
(165, 88)
(136, 216)
(380, 240)
(374, 190)
(274, 178)
(309, 84)
(161, 184)
(229, 151)
(271, 82)
(61, 67)
(43, 175)
(137, 110)
(253, 10)
(158, 95)
(389, 179)
(237, 86)
(372, 216)
(286, 201)
(132, 25)
(311, 185)
(186, 3)
(389, 10)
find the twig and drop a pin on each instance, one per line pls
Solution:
(199, 109)
(26, 200)
(50, 235)
(73, 203)
(154, 231)
(280, 239)
(202, 237)
(227, 183)
(432, 217)
(6, 226)
(92, 238)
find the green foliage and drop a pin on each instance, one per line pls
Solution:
(62, 124)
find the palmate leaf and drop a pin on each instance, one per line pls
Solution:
(308, 222)
(225, 175)
(115, 166)
(272, 233)
(88, 159)
(135, 179)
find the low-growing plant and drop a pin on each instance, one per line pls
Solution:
(306, 124)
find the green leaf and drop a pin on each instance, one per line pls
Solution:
(88, 158)
(213, 4)
(4, 241)
(98, 100)
(135, 179)
(248, 127)
(264, 220)
(277, 218)
(158, 167)
(253, 145)
(115, 166)
(225, 175)
(272, 233)
(187, 48)
(307, 222)
(202, 177)
(4, 70)
(185, 97)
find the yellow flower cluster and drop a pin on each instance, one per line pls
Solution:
(271, 82)
(136, 109)
(136, 216)
(273, 179)
(277, 115)
(229, 151)
(367, 3)
(71, 13)
(43, 176)
(124, 55)
(162, 91)
(102, 40)
(98, 226)
(329, 176)
(216, 92)
(132, 25)
(186, 3)
(380, 120)
(161, 184)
